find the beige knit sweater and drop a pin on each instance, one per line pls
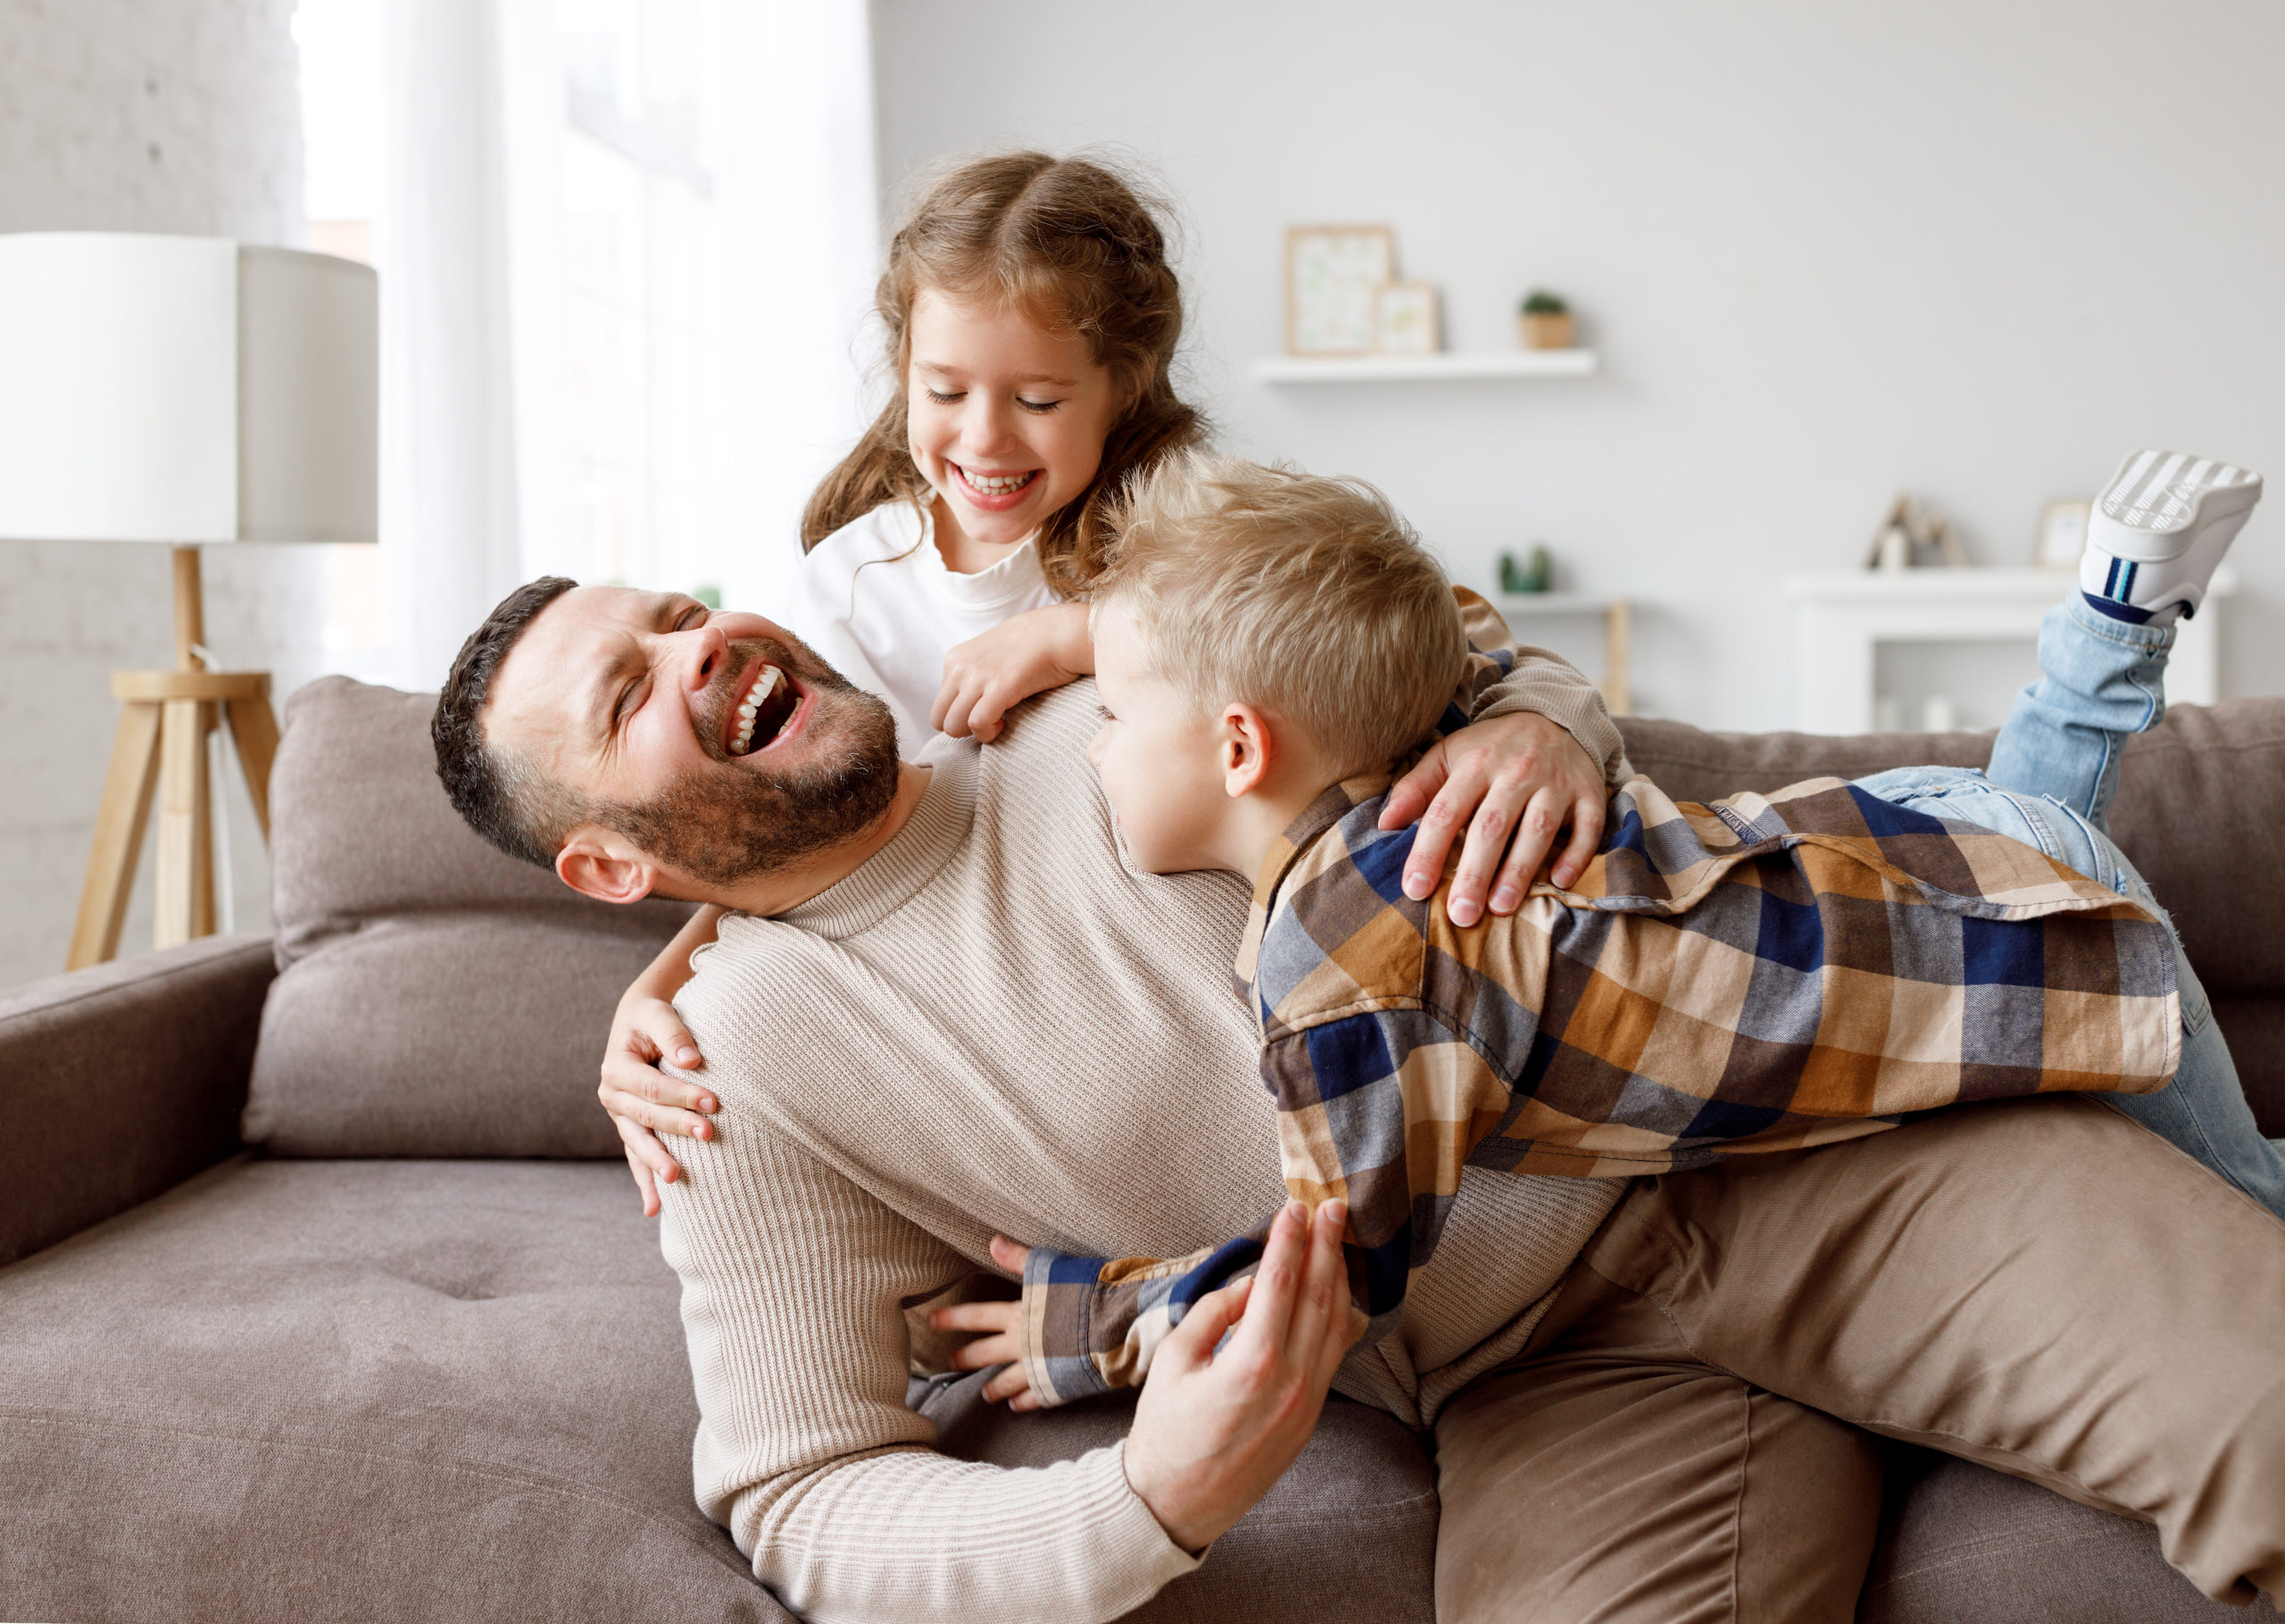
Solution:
(992, 1026)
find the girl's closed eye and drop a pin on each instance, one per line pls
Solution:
(943, 399)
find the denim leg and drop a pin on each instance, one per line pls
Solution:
(2099, 680)
(2203, 1111)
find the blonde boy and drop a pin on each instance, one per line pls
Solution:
(1764, 973)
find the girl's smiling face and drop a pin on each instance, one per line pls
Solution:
(1007, 421)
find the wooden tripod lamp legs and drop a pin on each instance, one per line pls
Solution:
(161, 748)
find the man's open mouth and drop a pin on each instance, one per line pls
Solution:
(769, 703)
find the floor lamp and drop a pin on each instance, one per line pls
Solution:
(189, 391)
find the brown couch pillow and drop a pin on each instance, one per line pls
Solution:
(435, 997)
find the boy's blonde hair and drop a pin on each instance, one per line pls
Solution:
(1306, 596)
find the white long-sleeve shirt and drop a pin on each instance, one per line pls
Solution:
(875, 600)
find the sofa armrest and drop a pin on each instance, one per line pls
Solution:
(120, 1080)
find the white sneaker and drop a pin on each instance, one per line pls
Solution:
(2158, 529)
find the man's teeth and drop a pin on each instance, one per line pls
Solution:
(997, 484)
(766, 685)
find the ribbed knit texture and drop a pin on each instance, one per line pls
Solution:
(997, 1025)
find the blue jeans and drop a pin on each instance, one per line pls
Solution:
(2053, 773)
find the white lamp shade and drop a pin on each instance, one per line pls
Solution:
(185, 389)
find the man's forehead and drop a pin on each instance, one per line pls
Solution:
(548, 674)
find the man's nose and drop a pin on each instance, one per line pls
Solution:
(702, 652)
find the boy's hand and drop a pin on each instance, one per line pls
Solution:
(1000, 1341)
(1518, 777)
(986, 676)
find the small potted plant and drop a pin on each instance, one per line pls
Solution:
(1546, 321)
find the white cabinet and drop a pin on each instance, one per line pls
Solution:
(1846, 615)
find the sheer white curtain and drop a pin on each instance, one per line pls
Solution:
(625, 248)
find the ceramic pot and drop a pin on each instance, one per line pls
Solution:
(1546, 332)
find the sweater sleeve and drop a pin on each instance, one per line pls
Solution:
(794, 1281)
(1507, 676)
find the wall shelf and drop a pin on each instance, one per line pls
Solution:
(1441, 367)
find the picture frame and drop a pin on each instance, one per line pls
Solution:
(1405, 320)
(1334, 276)
(2063, 532)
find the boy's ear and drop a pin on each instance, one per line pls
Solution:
(1247, 745)
(596, 863)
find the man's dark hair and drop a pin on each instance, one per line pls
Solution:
(486, 788)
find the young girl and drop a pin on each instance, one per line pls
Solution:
(1032, 319)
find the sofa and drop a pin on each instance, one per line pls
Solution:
(327, 1295)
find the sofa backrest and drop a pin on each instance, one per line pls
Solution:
(434, 997)
(2201, 799)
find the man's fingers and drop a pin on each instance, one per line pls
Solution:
(1537, 824)
(1277, 1281)
(1587, 815)
(1409, 796)
(1010, 1255)
(1190, 1346)
(1504, 813)
(1321, 1300)
(1440, 825)
(985, 1352)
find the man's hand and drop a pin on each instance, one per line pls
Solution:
(1518, 777)
(1214, 1430)
(1001, 1341)
(1027, 654)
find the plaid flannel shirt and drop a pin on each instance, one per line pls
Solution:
(1761, 973)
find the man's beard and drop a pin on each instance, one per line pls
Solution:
(732, 820)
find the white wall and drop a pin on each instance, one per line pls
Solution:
(1828, 253)
(144, 115)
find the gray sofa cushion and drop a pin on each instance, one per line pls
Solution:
(414, 1390)
(435, 998)
(301, 1390)
(1960, 1544)
(1349, 1532)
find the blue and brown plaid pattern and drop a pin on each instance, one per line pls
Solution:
(1762, 973)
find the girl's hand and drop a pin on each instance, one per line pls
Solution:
(643, 1100)
(1030, 653)
(1000, 1343)
(1519, 779)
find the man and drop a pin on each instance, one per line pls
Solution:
(932, 1021)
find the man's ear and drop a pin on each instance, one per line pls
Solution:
(1248, 747)
(596, 863)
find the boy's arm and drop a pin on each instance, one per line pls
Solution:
(1389, 1137)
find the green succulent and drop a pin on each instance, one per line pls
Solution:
(1539, 302)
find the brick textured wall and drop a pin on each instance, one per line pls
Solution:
(135, 115)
